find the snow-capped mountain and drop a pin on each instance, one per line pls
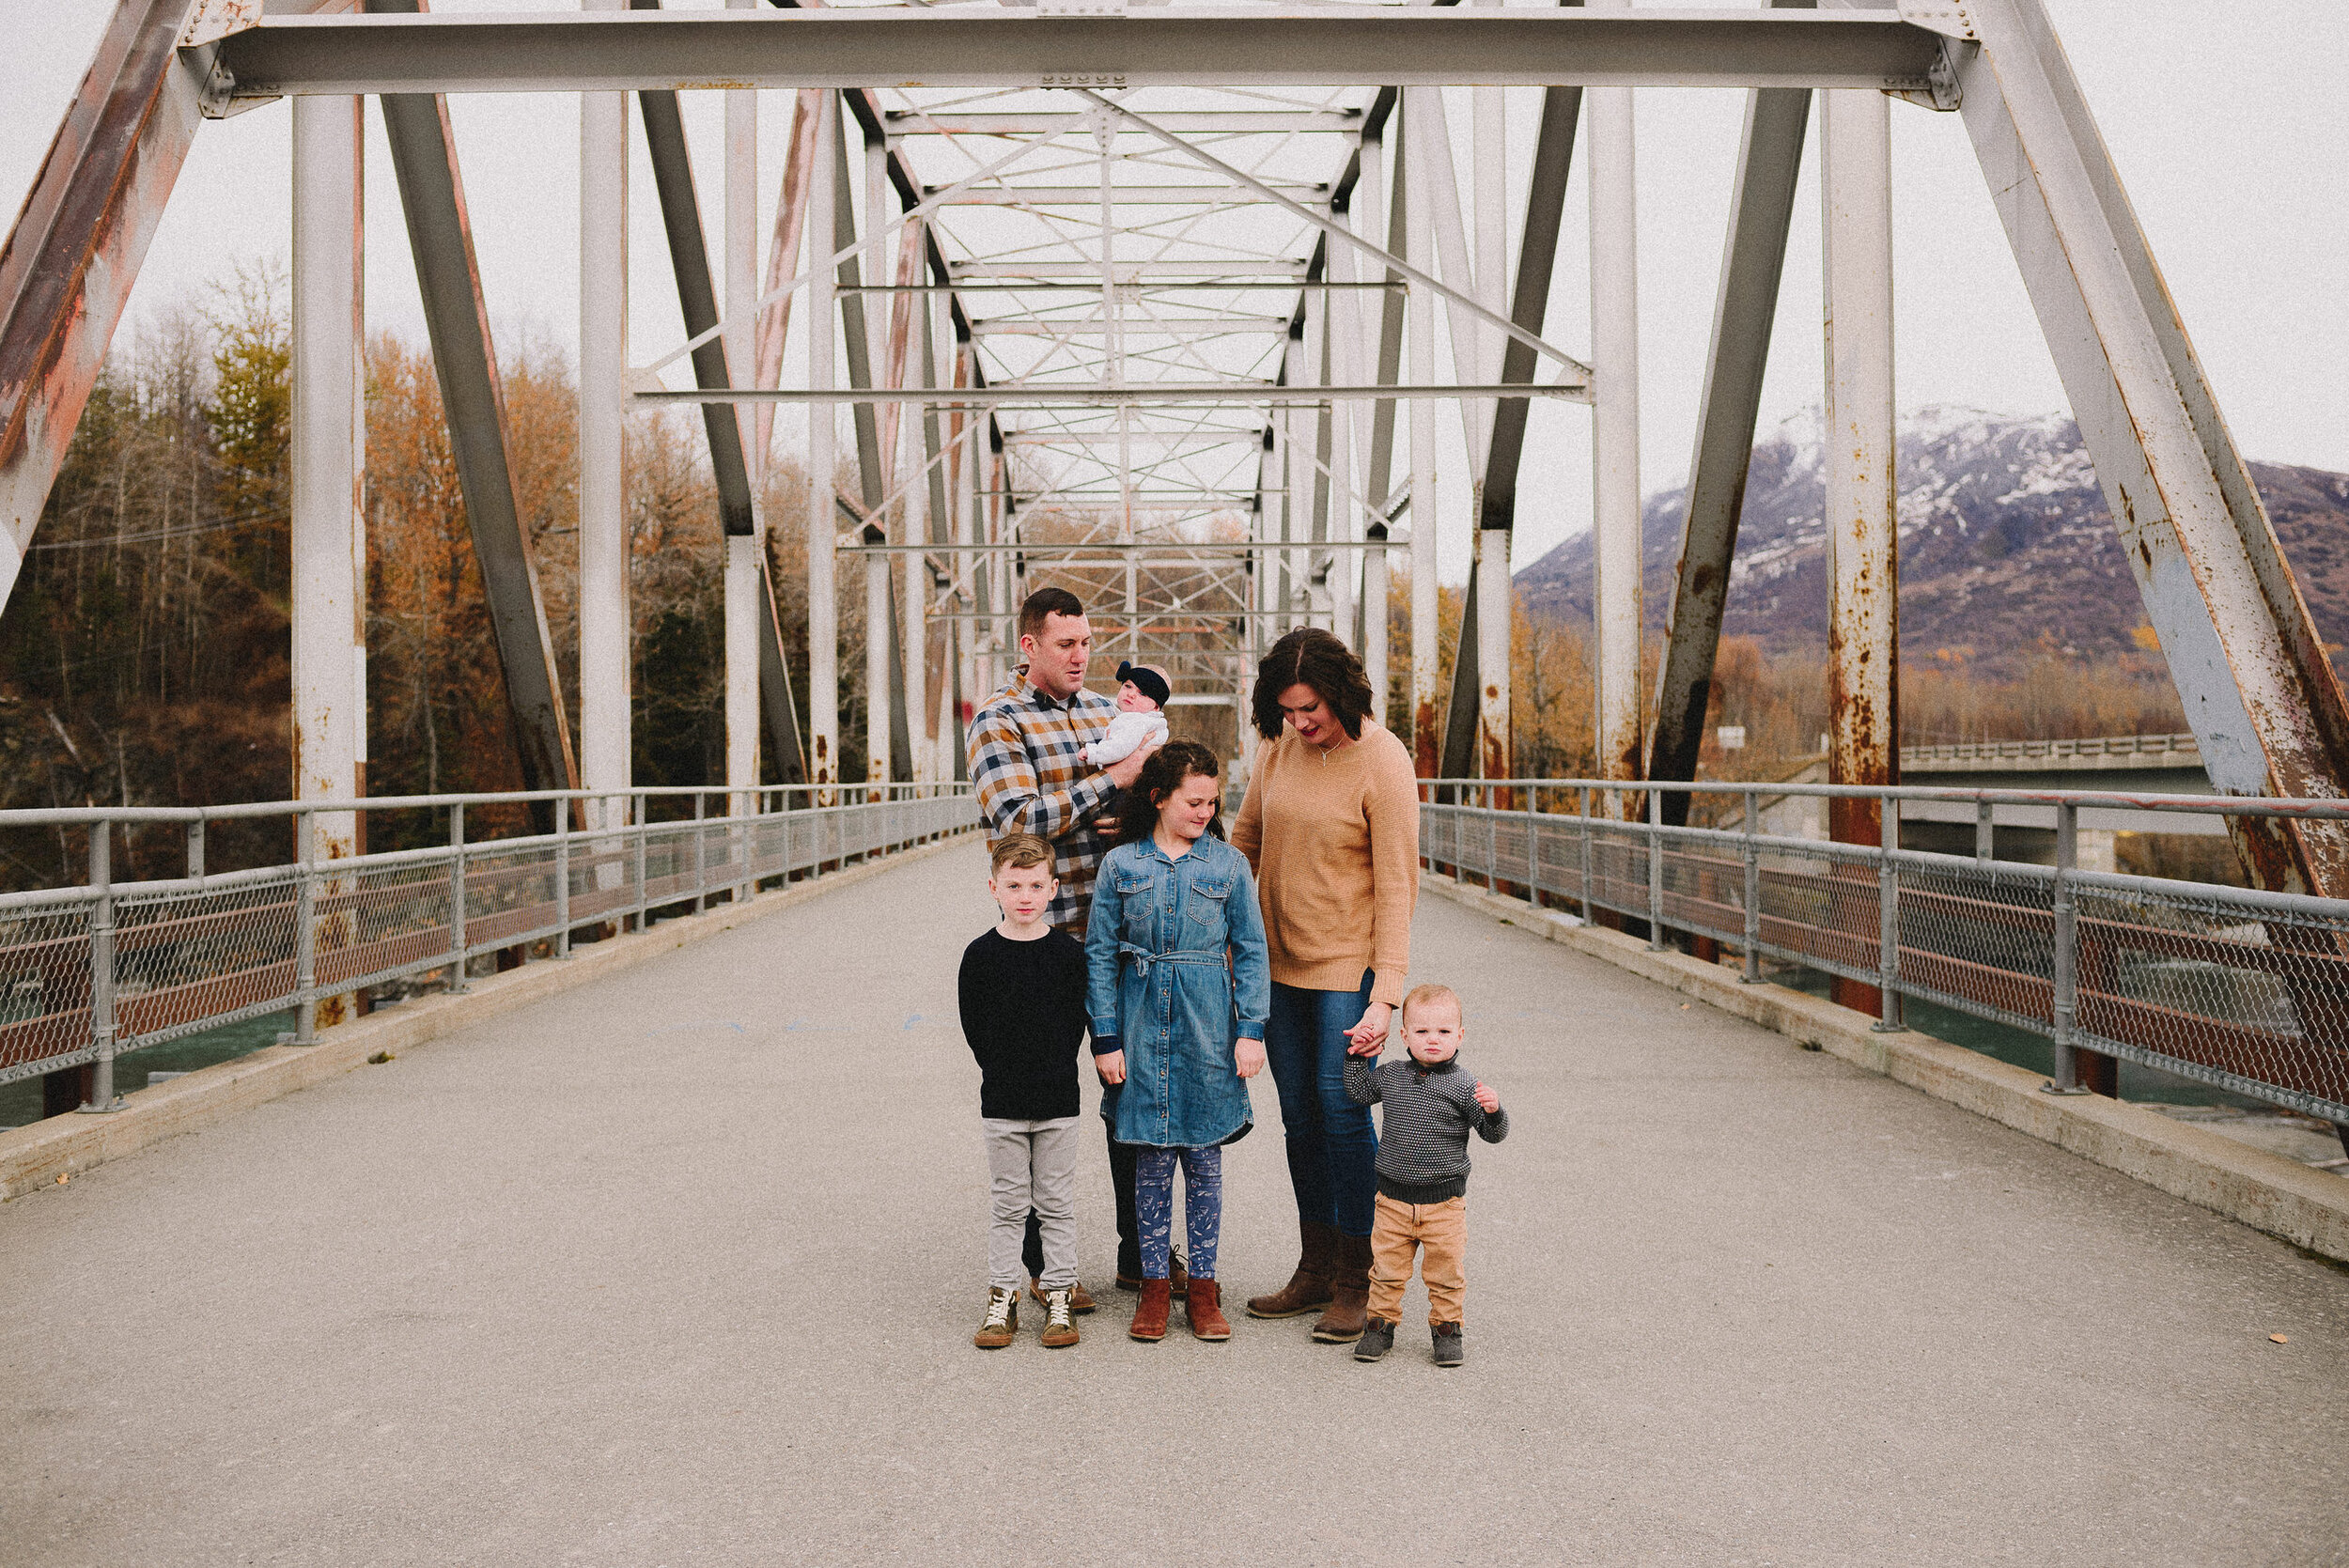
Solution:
(2005, 544)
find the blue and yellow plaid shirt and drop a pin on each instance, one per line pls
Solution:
(1028, 766)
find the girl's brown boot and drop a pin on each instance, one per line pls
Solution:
(1308, 1290)
(1150, 1311)
(1349, 1294)
(1204, 1307)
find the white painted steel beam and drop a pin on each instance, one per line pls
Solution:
(1131, 195)
(605, 665)
(1863, 540)
(1239, 394)
(327, 536)
(1419, 128)
(976, 47)
(2258, 687)
(1616, 590)
(823, 623)
(1195, 122)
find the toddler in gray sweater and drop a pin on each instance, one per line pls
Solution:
(1431, 1102)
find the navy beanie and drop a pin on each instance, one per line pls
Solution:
(1147, 681)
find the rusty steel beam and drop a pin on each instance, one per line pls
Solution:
(75, 250)
(432, 198)
(2259, 690)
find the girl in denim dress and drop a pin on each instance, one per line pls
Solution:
(1178, 985)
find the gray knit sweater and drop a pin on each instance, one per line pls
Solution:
(1423, 1144)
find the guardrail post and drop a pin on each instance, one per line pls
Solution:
(1985, 836)
(746, 834)
(101, 972)
(2065, 1080)
(563, 877)
(1752, 972)
(1492, 840)
(1585, 793)
(305, 933)
(1533, 847)
(1655, 868)
(1888, 918)
(195, 850)
(701, 855)
(644, 893)
(456, 943)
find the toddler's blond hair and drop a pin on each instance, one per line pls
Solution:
(1427, 996)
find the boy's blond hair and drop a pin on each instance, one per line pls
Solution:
(1425, 996)
(1019, 852)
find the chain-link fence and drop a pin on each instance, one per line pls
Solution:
(87, 973)
(2242, 989)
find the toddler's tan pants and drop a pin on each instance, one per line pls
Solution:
(1397, 1231)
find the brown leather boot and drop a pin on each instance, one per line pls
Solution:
(1308, 1290)
(1349, 1294)
(1150, 1311)
(1204, 1307)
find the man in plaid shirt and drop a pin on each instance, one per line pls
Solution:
(1027, 747)
(1027, 763)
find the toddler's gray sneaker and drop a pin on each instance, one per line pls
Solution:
(1449, 1351)
(1377, 1339)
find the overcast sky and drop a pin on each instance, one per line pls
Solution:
(2225, 122)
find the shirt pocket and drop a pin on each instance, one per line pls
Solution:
(1210, 904)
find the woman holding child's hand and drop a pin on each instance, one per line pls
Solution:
(1331, 824)
(1177, 986)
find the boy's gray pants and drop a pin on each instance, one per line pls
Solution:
(1031, 1165)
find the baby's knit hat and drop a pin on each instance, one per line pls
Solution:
(1148, 679)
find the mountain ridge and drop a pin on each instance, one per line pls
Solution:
(2007, 550)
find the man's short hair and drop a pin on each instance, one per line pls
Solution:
(1427, 996)
(1042, 605)
(1019, 852)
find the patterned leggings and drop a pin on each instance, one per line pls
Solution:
(1203, 1206)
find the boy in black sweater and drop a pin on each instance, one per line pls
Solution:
(1431, 1104)
(1023, 1011)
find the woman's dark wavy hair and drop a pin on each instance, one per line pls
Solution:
(1311, 657)
(1168, 767)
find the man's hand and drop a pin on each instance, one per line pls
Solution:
(1370, 1035)
(1111, 1067)
(1248, 1056)
(1122, 775)
(1487, 1099)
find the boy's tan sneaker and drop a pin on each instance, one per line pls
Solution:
(1079, 1302)
(1002, 1324)
(1060, 1328)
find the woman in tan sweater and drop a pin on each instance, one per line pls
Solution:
(1331, 824)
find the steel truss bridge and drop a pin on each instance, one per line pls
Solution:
(1134, 297)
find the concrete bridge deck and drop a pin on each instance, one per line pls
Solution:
(681, 1266)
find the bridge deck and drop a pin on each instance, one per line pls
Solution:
(682, 1268)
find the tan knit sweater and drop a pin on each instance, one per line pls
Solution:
(1334, 841)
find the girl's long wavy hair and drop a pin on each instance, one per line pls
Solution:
(1168, 767)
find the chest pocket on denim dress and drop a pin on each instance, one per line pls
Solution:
(1134, 889)
(1209, 902)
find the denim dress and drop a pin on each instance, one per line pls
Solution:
(1175, 967)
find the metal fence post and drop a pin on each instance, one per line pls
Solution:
(2065, 1080)
(644, 893)
(1752, 972)
(1985, 836)
(102, 971)
(195, 850)
(1533, 847)
(1492, 840)
(1888, 917)
(305, 933)
(701, 855)
(563, 877)
(1585, 793)
(456, 943)
(1655, 869)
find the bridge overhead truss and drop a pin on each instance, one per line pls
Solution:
(1133, 298)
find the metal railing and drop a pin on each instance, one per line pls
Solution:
(89, 973)
(2241, 989)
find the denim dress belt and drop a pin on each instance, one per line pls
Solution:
(1143, 957)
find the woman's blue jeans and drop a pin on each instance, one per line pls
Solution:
(1332, 1144)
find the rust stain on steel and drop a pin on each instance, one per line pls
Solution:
(1424, 739)
(68, 264)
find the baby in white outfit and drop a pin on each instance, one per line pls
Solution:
(1142, 692)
